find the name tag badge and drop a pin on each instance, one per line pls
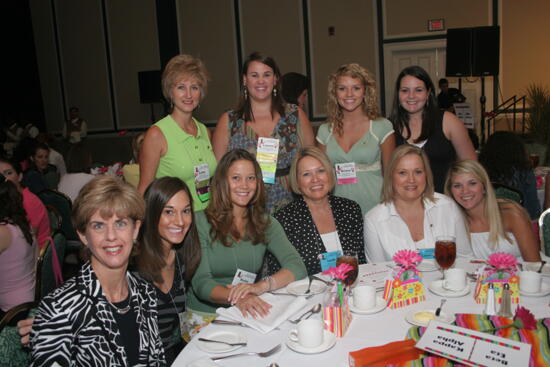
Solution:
(243, 276)
(202, 181)
(182, 317)
(427, 253)
(346, 173)
(328, 259)
(266, 155)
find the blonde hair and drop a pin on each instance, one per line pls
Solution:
(313, 152)
(388, 192)
(370, 101)
(184, 65)
(110, 196)
(491, 205)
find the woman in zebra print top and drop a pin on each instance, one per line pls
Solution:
(104, 316)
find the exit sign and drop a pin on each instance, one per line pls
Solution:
(435, 25)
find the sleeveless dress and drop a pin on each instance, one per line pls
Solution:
(367, 157)
(184, 153)
(440, 151)
(482, 249)
(287, 131)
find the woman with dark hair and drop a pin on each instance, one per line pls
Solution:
(505, 158)
(79, 162)
(179, 145)
(235, 232)
(358, 141)
(17, 249)
(41, 175)
(168, 255)
(417, 120)
(262, 114)
(35, 209)
(295, 86)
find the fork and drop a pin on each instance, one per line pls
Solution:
(222, 342)
(309, 285)
(273, 350)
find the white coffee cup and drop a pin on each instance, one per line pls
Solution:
(530, 281)
(364, 297)
(455, 279)
(309, 333)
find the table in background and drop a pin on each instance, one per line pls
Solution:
(364, 331)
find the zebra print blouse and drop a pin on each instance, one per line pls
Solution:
(75, 326)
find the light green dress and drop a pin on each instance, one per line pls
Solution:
(367, 157)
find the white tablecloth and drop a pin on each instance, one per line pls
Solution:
(364, 331)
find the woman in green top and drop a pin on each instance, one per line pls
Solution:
(179, 145)
(235, 231)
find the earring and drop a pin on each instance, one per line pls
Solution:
(275, 92)
(245, 92)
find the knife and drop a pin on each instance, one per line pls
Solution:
(226, 322)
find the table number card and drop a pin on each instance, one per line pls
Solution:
(473, 348)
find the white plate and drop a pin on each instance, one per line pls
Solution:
(443, 317)
(532, 266)
(436, 287)
(544, 291)
(299, 287)
(380, 305)
(329, 339)
(427, 265)
(221, 335)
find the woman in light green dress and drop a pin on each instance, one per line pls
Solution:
(357, 140)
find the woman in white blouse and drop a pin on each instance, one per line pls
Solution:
(411, 215)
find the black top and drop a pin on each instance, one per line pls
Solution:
(440, 151)
(446, 99)
(128, 329)
(301, 231)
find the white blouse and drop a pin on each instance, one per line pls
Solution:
(482, 249)
(386, 232)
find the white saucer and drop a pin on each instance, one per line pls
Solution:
(534, 266)
(436, 287)
(299, 287)
(221, 335)
(380, 305)
(443, 317)
(544, 291)
(329, 339)
(427, 265)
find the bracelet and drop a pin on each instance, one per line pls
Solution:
(270, 282)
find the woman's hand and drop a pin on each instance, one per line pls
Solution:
(254, 306)
(239, 291)
(24, 328)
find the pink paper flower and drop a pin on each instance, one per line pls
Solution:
(407, 258)
(524, 319)
(502, 262)
(340, 272)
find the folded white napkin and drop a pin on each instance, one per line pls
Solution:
(282, 308)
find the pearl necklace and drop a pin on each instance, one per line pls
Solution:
(123, 310)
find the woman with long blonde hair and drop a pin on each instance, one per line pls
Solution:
(494, 224)
(358, 141)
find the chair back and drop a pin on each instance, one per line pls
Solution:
(544, 231)
(12, 352)
(45, 268)
(64, 207)
(507, 192)
(55, 218)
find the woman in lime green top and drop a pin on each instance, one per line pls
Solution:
(235, 232)
(179, 145)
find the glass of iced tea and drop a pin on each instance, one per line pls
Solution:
(445, 251)
(352, 274)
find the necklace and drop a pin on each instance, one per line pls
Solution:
(123, 310)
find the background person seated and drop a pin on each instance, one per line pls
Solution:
(79, 161)
(41, 175)
(318, 222)
(448, 96)
(411, 215)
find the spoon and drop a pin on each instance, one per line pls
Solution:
(438, 310)
(273, 365)
(313, 310)
(542, 263)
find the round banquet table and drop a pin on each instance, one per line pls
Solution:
(365, 330)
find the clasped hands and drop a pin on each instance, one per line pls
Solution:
(245, 297)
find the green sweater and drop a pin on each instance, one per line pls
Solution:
(219, 263)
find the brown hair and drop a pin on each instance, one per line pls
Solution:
(388, 193)
(150, 259)
(220, 210)
(370, 101)
(313, 152)
(180, 66)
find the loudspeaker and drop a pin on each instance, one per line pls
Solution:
(485, 51)
(150, 90)
(459, 52)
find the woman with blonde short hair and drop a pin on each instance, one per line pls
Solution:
(411, 215)
(494, 224)
(318, 223)
(356, 138)
(179, 145)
